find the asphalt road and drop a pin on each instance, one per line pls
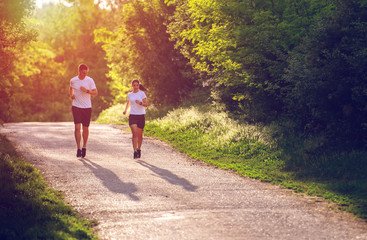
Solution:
(166, 195)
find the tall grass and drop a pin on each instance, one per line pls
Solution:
(209, 131)
(212, 136)
(31, 210)
(267, 154)
(114, 114)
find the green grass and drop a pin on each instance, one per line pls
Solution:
(265, 153)
(29, 209)
(114, 114)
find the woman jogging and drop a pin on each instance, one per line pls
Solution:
(137, 101)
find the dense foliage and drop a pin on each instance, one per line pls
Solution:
(300, 63)
(327, 77)
(243, 47)
(41, 52)
(13, 35)
(138, 46)
(69, 31)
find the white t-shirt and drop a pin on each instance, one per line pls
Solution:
(135, 108)
(82, 99)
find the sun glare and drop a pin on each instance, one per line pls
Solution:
(40, 3)
(101, 3)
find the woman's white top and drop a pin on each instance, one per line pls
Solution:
(135, 108)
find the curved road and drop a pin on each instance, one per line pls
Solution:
(165, 195)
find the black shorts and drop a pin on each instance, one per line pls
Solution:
(138, 120)
(82, 115)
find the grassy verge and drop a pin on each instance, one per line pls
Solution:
(262, 152)
(31, 210)
(114, 114)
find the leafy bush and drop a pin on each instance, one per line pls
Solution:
(327, 72)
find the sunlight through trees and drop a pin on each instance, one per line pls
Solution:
(301, 62)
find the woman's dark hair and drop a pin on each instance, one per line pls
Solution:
(141, 87)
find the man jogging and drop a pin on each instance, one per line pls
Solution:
(81, 89)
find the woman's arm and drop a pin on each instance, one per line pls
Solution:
(127, 106)
(144, 103)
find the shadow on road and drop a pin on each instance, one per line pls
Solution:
(169, 176)
(110, 180)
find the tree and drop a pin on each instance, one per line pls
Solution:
(39, 76)
(13, 34)
(242, 48)
(70, 32)
(328, 76)
(141, 48)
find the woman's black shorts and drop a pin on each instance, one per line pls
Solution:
(82, 115)
(138, 120)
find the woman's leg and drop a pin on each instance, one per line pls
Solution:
(134, 131)
(140, 137)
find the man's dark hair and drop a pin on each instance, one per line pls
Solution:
(83, 67)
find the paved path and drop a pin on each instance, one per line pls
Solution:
(165, 195)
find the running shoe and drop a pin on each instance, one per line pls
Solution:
(139, 153)
(84, 152)
(78, 153)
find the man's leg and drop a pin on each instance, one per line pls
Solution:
(77, 134)
(87, 113)
(85, 136)
(85, 140)
(78, 139)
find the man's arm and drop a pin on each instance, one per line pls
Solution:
(93, 92)
(71, 93)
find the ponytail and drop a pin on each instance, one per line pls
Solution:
(141, 87)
